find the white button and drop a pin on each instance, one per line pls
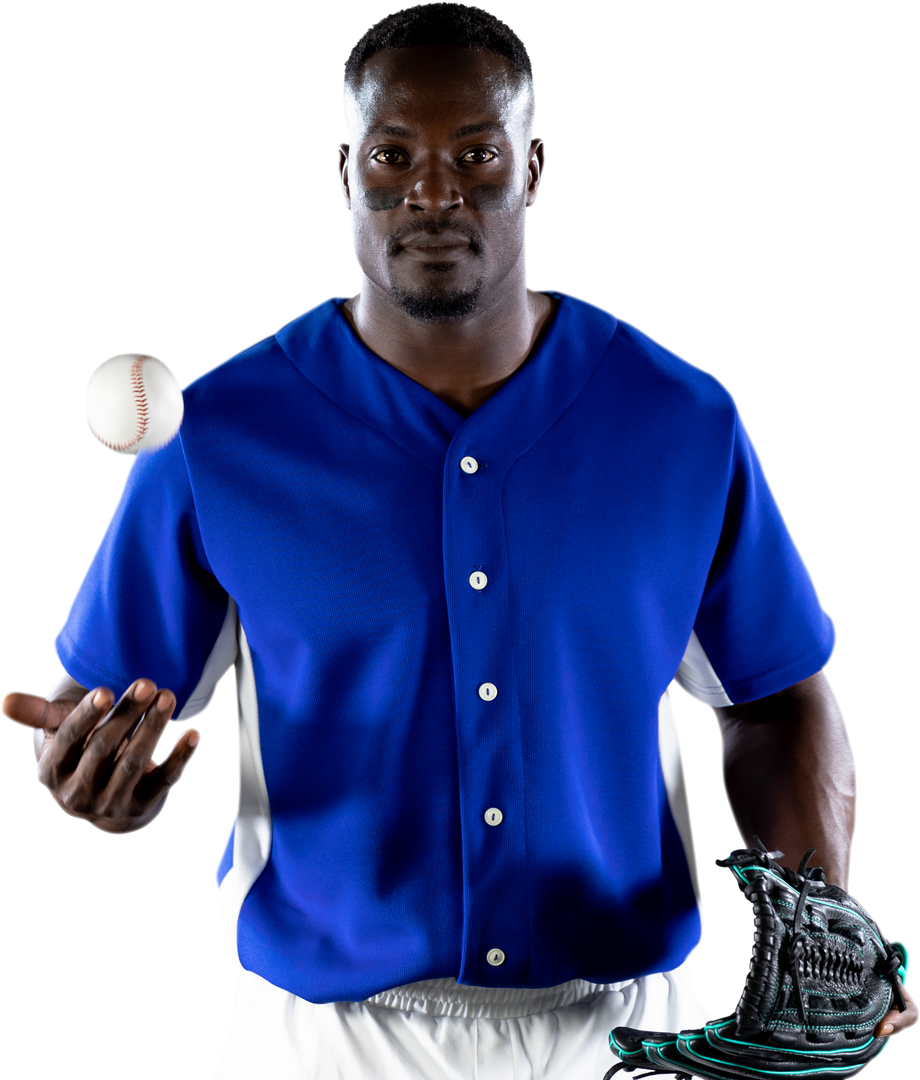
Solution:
(495, 957)
(493, 816)
(478, 579)
(488, 691)
(469, 464)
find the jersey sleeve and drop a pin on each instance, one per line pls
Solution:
(150, 605)
(760, 627)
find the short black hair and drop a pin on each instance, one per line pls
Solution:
(454, 25)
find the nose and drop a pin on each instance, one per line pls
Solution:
(435, 190)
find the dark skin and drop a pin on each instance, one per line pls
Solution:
(462, 329)
(790, 780)
(441, 155)
(438, 174)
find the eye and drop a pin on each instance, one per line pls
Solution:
(380, 152)
(479, 149)
(479, 156)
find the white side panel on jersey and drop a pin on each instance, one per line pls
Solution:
(698, 677)
(673, 772)
(252, 839)
(220, 660)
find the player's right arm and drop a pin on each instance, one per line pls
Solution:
(95, 755)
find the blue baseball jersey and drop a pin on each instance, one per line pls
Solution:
(453, 639)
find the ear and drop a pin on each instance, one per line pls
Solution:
(537, 169)
(341, 171)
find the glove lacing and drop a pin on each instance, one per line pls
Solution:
(889, 969)
(793, 953)
(795, 947)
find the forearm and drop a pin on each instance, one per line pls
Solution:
(789, 774)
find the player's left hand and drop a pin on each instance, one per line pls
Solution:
(893, 1021)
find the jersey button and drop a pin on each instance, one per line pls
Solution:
(478, 580)
(493, 816)
(469, 464)
(495, 957)
(488, 691)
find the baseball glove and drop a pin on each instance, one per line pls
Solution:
(821, 977)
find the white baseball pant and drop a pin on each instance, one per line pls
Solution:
(440, 1030)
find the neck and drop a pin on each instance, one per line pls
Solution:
(464, 361)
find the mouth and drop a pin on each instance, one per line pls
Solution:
(448, 253)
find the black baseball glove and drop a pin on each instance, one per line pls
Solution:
(821, 977)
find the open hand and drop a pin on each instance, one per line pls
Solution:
(96, 759)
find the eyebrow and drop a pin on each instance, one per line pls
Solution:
(396, 132)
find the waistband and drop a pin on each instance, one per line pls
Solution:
(447, 997)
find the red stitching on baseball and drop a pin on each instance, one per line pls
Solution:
(140, 403)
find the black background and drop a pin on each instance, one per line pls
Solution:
(731, 188)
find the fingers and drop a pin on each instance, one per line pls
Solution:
(37, 712)
(95, 758)
(131, 801)
(894, 1021)
(155, 785)
(140, 720)
(135, 752)
(86, 742)
(77, 765)
(136, 788)
(60, 750)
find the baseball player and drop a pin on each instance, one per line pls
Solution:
(457, 538)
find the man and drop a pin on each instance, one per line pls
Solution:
(458, 538)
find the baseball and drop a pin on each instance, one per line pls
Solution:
(133, 403)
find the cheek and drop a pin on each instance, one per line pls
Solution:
(484, 197)
(382, 198)
(494, 197)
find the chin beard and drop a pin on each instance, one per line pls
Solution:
(437, 305)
